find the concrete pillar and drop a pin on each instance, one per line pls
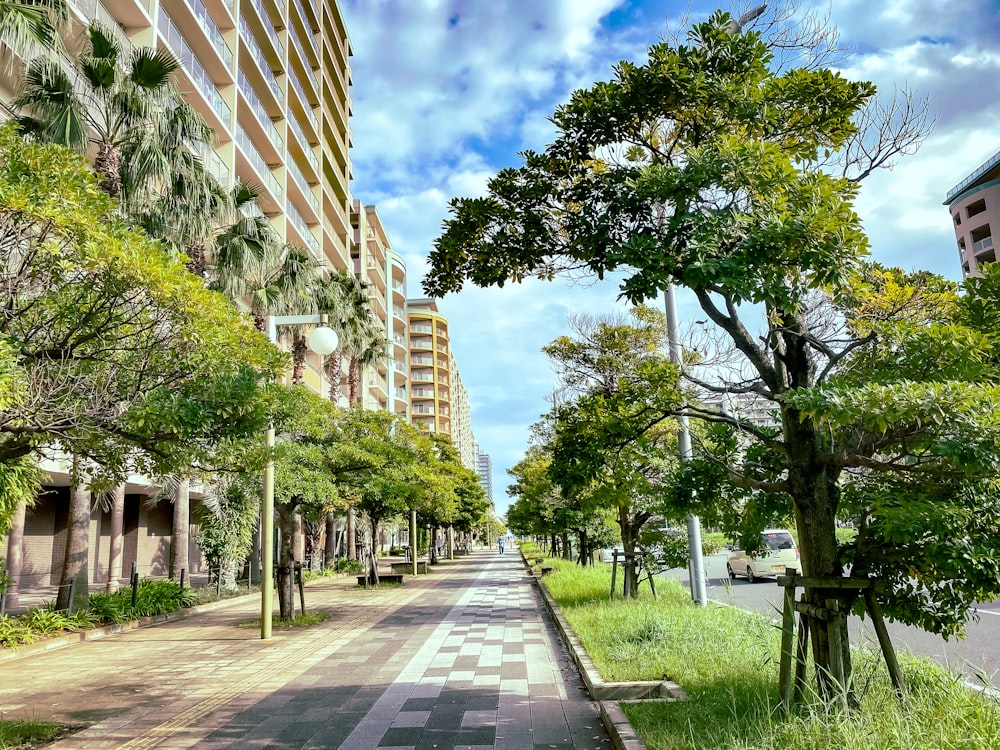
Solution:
(117, 537)
(15, 554)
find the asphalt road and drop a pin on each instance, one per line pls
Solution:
(977, 654)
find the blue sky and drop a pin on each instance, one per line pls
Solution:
(446, 92)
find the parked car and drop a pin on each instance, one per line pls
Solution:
(778, 552)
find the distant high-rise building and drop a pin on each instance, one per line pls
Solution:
(438, 400)
(484, 468)
(974, 204)
(384, 383)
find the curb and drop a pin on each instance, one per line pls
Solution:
(607, 694)
(93, 634)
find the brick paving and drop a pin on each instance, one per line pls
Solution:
(465, 658)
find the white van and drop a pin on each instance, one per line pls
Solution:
(780, 553)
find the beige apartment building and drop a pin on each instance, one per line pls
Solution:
(438, 400)
(384, 271)
(272, 78)
(974, 205)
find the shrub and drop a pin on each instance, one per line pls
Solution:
(346, 565)
(46, 621)
(14, 632)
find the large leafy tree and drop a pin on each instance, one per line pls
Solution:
(711, 167)
(612, 443)
(116, 354)
(362, 336)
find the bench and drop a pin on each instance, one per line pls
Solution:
(407, 567)
(364, 580)
(546, 569)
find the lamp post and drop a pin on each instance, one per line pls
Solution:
(323, 341)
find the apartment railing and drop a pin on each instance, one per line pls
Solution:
(400, 287)
(93, 10)
(303, 184)
(210, 28)
(400, 393)
(398, 311)
(418, 344)
(305, 60)
(309, 36)
(300, 224)
(985, 242)
(417, 328)
(307, 148)
(258, 163)
(257, 107)
(419, 360)
(258, 57)
(306, 106)
(269, 29)
(214, 164)
(187, 58)
(424, 377)
(422, 410)
(399, 339)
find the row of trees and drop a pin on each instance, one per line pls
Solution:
(124, 267)
(728, 164)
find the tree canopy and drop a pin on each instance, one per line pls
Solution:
(708, 166)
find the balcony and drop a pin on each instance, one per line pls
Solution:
(419, 328)
(306, 65)
(399, 312)
(418, 359)
(303, 184)
(420, 344)
(269, 31)
(212, 31)
(420, 409)
(260, 166)
(307, 103)
(213, 163)
(246, 34)
(260, 113)
(984, 244)
(296, 220)
(422, 376)
(194, 69)
(305, 144)
(93, 10)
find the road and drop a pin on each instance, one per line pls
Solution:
(978, 653)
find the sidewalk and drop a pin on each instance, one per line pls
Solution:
(465, 657)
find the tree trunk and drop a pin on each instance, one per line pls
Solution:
(76, 564)
(629, 534)
(286, 561)
(181, 529)
(352, 535)
(107, 165)
(196, 258)
(299, 350)
(330, 544)
(567, 549)
(354, 383)
(333, 371)
(372, 556)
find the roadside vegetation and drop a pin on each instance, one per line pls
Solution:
(726, 659)
(16, 734)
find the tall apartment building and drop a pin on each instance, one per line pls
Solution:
(974, 205)
(272, 78)
(383, 270)
(484, 468)
(438, 400)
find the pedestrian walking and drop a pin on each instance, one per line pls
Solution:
(500, 544)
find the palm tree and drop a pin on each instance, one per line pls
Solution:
(121, 102)
(362, 337)
(31, 27)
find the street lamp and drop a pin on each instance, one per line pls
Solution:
(323, 341)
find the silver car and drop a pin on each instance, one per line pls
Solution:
(779, 553)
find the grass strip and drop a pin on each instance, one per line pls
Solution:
(726, 659)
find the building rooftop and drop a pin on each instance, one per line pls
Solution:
(983, 168)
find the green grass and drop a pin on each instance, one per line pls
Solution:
(726, 659)
(298, 621)
(28, 733)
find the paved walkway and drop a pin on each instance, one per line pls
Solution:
(465, 657)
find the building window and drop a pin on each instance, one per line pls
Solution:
(957, 216)
(975, 208)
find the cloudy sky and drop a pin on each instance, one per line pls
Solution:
(446, 92)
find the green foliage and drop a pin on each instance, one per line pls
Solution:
(227, 519)
(129, 359)
(28, 733)
(14, 632)
(154, 597)
(346, 565)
